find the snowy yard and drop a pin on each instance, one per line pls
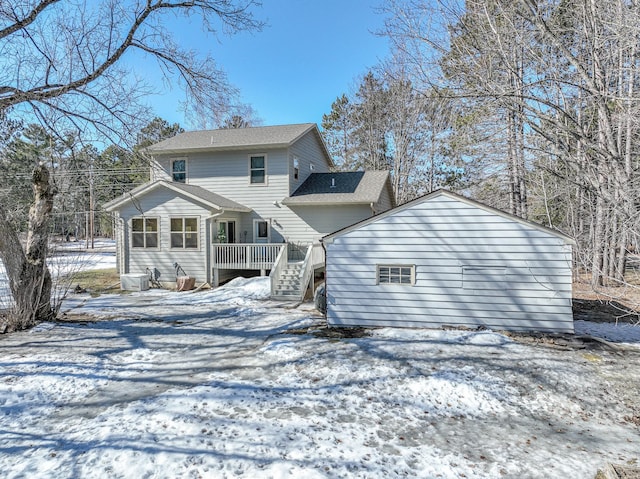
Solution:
(215, 384)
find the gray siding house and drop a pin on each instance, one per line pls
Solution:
(444, 259)
(221, 202)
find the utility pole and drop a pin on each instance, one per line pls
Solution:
(91, 204)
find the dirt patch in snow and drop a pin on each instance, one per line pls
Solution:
(607, 304)
(323, 331)
(603, 311)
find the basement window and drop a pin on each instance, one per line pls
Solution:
(396, 274)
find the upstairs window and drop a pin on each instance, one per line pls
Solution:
(184, 233)
(144, 232)
(296, 168)
(179, 170)
(397, 274)
(257, 170)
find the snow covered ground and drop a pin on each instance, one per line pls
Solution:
(69, 257)
(214, 384)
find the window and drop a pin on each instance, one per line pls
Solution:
(226, 232)
(184, 233)
(296, 168)
(261, 233)
(179, 170)
(257, 170)
(144, 232)
(396, 274)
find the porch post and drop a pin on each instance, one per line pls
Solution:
(216, 277)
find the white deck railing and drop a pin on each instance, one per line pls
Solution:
(245, 255)
(306, 273)
(317, 255)
(278, 266)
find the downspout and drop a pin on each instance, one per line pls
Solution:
(326, 293)
(122, 251)
(373, 211)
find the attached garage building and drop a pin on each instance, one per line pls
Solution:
(444, 259)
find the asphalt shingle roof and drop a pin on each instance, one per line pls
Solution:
(342, 187)
(196, 192)
(228, 139)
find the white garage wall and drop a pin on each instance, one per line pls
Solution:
(473, 268)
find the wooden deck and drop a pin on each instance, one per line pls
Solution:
(245, 255)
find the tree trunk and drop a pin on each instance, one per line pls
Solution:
(598, 244)
(29, 277)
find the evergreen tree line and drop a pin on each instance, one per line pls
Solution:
(529, 106)
(84, 176)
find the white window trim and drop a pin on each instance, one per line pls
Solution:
(186, 168)
(183, 247)
(411, 266)
(255, 236)
(144, 232)
(266, 177)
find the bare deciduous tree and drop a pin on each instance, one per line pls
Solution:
(71, 63)
(562, 77)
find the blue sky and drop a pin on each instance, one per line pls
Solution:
(310, 52)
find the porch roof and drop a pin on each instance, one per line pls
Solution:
(197, 193)
(357, 187)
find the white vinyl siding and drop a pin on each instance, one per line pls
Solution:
(310, 158)
(484, 277)
(163, 204)
(472, 268)
(225, 173)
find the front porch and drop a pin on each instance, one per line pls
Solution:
(278, 258)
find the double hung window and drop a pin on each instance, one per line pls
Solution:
(258, 170)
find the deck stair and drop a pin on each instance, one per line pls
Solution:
(289, 283)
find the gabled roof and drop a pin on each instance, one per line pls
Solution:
(464, 199)
(359, 187)
(237, 138)
(194, 192)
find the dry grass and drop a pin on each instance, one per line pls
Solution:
(97, 281)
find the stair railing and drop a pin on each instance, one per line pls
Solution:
(278, 265)
(307, 272)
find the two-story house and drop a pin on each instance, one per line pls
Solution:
(221, 202)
